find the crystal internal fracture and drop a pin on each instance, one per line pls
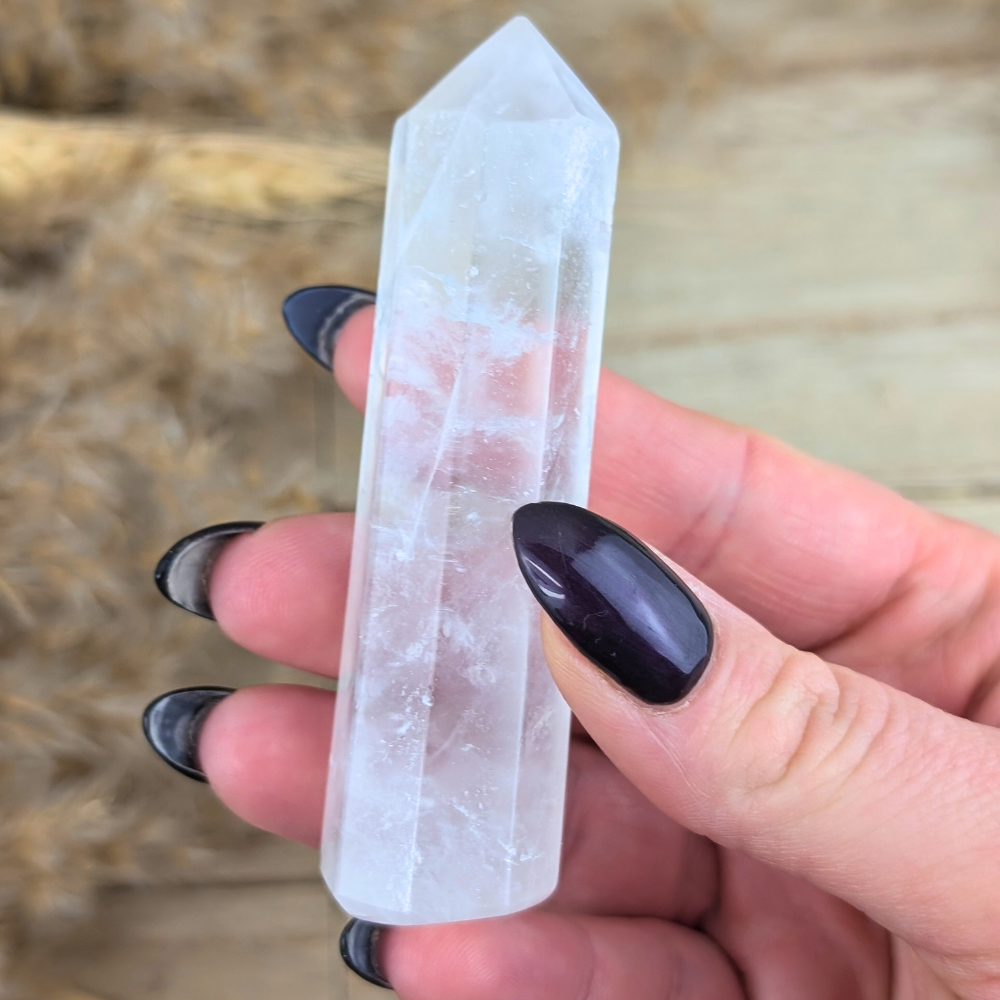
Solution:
(448, 765)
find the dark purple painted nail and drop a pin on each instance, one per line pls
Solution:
(183, 571)
(315, 316)
(614, 600)
(359, 950)
(172, 724)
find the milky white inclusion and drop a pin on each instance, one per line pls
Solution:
(448, 767)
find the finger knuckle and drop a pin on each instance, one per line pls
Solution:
(805, 737)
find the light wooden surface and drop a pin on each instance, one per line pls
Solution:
(811, 248)
(222, 941)
(820, 259)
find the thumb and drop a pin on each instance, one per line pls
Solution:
(865, 791)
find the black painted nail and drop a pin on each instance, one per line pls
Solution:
(359, 950)
(172, 724)
(315, 316)
(614, 600)
(182, 574)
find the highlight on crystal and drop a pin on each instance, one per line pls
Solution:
(446, 791)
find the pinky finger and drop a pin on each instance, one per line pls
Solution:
(547, 956)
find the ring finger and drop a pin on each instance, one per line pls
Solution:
(265, 749)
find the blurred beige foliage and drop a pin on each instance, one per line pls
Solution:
(170, 170)
(334, 66)
(194, 162)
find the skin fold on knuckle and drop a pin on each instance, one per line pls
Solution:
(802, 740)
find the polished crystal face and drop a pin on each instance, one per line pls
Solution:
(449, 759)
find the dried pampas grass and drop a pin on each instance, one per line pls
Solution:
(146, 389)
(146, 385)
(336, 66)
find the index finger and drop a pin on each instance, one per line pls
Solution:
(806, 548)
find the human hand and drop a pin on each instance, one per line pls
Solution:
(819, 824)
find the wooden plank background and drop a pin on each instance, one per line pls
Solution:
(810, 247)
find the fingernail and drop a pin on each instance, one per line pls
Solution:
(182, 574)
(359, 950)
(172, 724)
(315, 316)
(614, 600)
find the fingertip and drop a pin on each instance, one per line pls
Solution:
(526, 955)
(229, 579)
(427, 962)
(264, 751)
(352, 356)
(280, 592)
(588, 691)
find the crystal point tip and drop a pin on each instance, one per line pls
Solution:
(515, 75)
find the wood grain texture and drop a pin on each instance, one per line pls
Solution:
(207, 942)
(819, 259)
(810, 247)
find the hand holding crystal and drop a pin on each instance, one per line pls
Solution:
(808, 809)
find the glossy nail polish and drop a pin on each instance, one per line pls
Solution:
(621, 607)
(183, 571)
(172, 724)
(315, 316)
(359, 950)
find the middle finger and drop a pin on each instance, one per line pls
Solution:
(280, 592)
(264, 750)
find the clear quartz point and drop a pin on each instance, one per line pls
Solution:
(448, 767)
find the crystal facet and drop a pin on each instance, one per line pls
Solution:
(448, 767)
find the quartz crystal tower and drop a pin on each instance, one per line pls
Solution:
(448, 766)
